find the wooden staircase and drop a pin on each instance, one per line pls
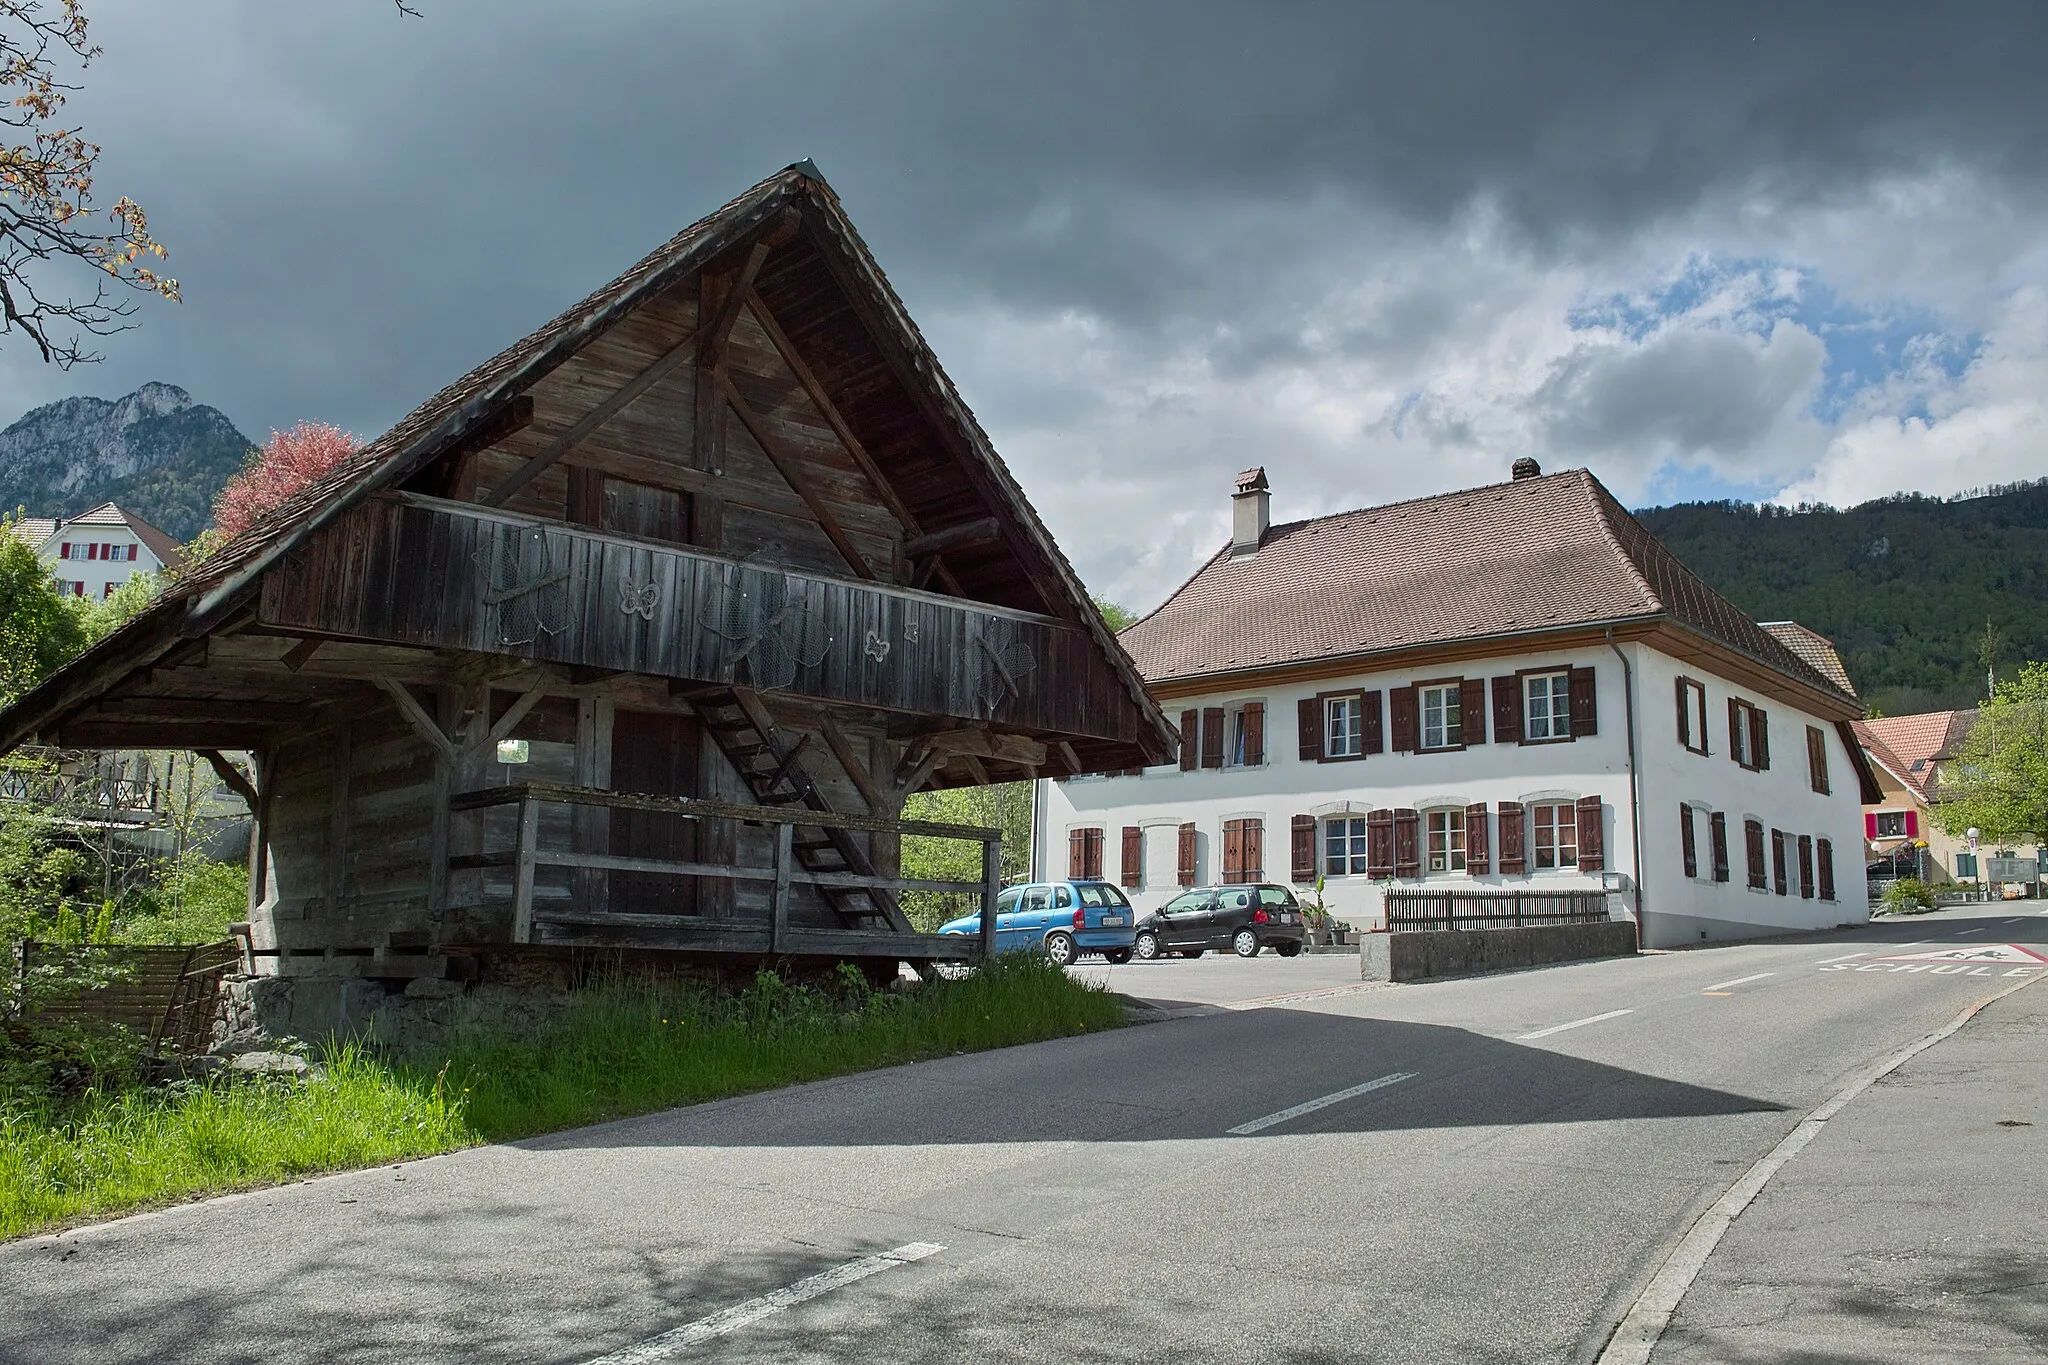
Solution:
(734, 719)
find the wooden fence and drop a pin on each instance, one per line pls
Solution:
(1410, 910)
(168, 995)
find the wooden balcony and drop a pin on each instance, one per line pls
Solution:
(504, 583)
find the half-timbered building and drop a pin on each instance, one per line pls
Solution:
(636, 636)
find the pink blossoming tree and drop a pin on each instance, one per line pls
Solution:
(288, 462)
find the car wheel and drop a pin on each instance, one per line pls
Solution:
(1118, 956)
(1147, 946)
(1060, 948)
(1245, 943)
(1287, 949)
(1191, 952)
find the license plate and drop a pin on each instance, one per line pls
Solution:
(1112, 921)
(1287, 919)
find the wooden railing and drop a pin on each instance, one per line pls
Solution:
(777, 936)
(1409, 910)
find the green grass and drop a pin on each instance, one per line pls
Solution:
(609, 1052)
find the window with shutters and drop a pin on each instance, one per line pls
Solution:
(1781, 872)
(1817, 759)
(1301, 849)
(1405, 832)
(1344, 725)
(1717, 836)
(1554, 834)
(1805, 866)
(1132, 862)
(1692, 715)
(1446, 839)
(1824, 854)
(1753, 849)
(1243, 850)
(1688, 847)
(1344, 847)
(1443, 711)
(1546, 707)
(1245, 724)
(1749, 742)
(1890, 824)
(1188, 868)
(1084, 855)
(1514, 858)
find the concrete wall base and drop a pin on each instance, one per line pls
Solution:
(1432, 954)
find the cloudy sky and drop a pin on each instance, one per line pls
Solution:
(1771, 251)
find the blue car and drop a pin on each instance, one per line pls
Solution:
(1061, 919)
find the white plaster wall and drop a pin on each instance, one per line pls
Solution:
(1285, 786)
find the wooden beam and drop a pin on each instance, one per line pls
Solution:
(793, 475)
(980, 531)
(712, 339)
(514, 714)
(1073, 760)
(974, 769)
(231, 777)
(451, 471)
(416, 716)
(842, 749)
(692, 807)
(301, 654)
(197, 709)
(669, 361)
(193, 735)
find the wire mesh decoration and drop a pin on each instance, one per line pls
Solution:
(1000, 662)
(771, 624)
(526, 579)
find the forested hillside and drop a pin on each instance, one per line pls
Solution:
(1904, 586)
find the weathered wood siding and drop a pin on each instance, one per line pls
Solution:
(417, 571)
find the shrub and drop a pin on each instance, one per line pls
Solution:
(1908, 896)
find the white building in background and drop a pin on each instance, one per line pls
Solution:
(95, 552)
(1514, 687)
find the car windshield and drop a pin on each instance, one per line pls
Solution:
(1100, 894)
(1188, 900)
(1276, 895)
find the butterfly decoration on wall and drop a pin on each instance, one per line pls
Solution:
(770, 622)
(639, 599)
(1000, 663)
(524, 586)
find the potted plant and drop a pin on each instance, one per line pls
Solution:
(1315, 915)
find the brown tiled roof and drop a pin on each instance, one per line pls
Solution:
(1528, 555)
(1814, 647)
(1911, 746)
(33, 531)
(160, 543)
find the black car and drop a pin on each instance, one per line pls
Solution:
(1241, 918)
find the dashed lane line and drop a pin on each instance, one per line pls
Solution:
(1576, 1023)
(726, 1320)
(1738, 981)
(1322, 1102)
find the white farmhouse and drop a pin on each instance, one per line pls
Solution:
(1510, 688)
(95, 552)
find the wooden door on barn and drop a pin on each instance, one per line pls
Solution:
(655, 754)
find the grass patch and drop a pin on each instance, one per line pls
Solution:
(608, 1052)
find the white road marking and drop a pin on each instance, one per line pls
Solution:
(2015, 919)
(1636, 1336)
(718, 1324)
(1977, 930)
(1310, 1106)
(1742, 981)
(1576, 1023)
(1843, 958)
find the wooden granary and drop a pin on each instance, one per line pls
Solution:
(636, 636)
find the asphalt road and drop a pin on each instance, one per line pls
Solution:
(1513, 1159)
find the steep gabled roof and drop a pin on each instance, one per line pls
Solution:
(975, 476)
(1814, 647)
(166, 549)
(1529, 555)
(1911, 747)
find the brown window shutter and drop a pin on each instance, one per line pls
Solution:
(1753, 850)
(1308, 724)
(1686, 840)
(1513, 862)
(1684, 717)
(1585, 704)
(1212, 736)
(1760, 738)
(1077, 854)
(1717, 836)
(1407, 841)
(1186, 853)
(1806, 867)
(1094, 859)
(1374, 731)
(1478, 861)
(1592, 847)
(1472, 706)
(1406, 724)
(1253, 868)
(1738, 737)
(1817, 759)
(1507, 710)
(1825, 852)
(1190, 740)
(1379, 843)
(1301, 850)
(1233, 851)
(1781, 871)
(1134, 855)
(1254, 722)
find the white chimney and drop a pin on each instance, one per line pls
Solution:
(1251, 512)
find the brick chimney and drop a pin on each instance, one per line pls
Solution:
(1526, 468)
(1251, 512)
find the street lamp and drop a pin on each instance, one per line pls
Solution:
(1972, 835)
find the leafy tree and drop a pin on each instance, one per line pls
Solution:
(1114, 616)
(100, 619)
(1998, 781)
(39, 631)
(46, 187)
(1006, 806)
(288, 462)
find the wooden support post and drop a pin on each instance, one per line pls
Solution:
(991, 888)
(778, 897)
(337, 820)
(259, 835)
(522, 870)
(793, 475)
